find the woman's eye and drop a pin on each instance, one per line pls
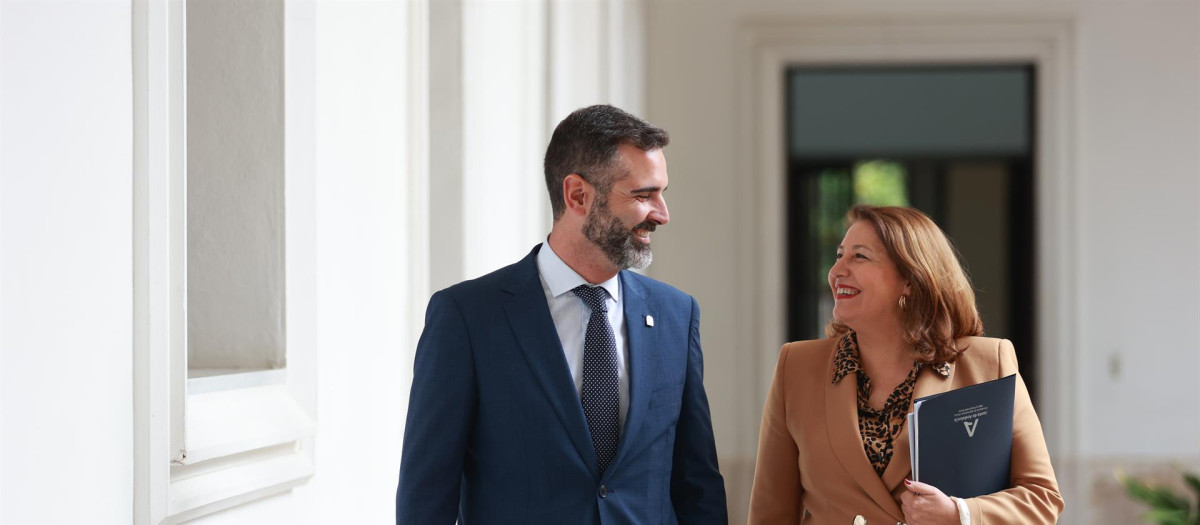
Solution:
(837, 256)
(860, 256)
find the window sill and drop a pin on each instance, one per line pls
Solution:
(207, 380)
(218, 484)
(243, 444)
(229, 422)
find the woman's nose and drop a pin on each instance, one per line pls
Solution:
(838, 269)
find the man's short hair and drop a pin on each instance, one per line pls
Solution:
(586, 143)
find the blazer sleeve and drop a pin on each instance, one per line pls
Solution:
(697, 488)
(1034, 496)
(777, 493)
(441, 409)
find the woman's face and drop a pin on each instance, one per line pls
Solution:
(866, 284)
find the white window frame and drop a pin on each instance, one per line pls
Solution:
(201, 452)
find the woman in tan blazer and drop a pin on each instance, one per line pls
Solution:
(834, 445)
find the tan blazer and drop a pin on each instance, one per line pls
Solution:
(812, 468)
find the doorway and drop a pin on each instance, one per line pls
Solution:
(956, 142)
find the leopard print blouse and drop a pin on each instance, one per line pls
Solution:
(879, 428)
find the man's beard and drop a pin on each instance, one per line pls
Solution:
(616, 240)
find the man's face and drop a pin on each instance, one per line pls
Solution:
(620, 222)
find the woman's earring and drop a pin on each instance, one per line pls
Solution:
(903, 302)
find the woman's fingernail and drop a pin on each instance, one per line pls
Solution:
(907, 482)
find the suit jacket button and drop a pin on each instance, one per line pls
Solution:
(603, 491)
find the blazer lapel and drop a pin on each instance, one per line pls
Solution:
(534, 330)
(643, 341)
(841, 413)
(929, 383)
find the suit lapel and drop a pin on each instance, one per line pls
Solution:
(929, 383)
(534, 330)
(841, 413)
(643, 340)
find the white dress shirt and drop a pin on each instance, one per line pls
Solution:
(571, 316)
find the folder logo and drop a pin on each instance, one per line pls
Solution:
(971, 426)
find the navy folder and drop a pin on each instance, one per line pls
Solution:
(961, 441)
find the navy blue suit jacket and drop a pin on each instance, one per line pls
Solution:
(496, 432)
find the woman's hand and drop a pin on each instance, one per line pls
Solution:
(926, 505)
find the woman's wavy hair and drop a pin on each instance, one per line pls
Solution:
(941, 305)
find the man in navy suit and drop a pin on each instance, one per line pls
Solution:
(564, 389)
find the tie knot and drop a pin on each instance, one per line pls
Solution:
(593, 296)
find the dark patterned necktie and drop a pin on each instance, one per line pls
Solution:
(600, 396)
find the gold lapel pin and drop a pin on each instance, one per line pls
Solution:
(649, 320)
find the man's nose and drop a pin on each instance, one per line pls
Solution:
(659, 214)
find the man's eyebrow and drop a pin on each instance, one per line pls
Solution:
(648, 189)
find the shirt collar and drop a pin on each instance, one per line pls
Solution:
(561, 279)
(846, 360)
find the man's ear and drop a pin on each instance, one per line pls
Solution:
(578, 194)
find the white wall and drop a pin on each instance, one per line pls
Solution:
(504, 132)
(363, 185)
(66, 422)
(364, 334)
(1139, 227)
(1134, 226)
(66, 270)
